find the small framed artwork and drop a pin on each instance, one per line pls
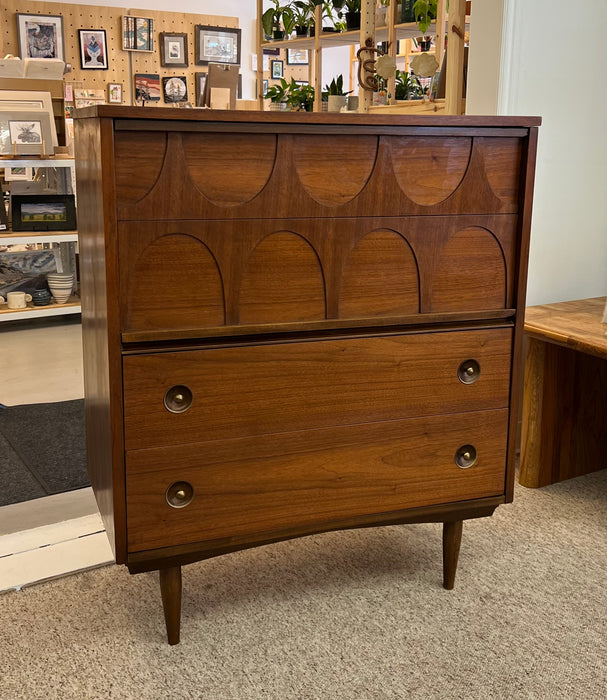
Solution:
(277, 69)
(40, 36)
(43, 212)
(137, 33)
(93, 49)
(199, 81)
(217, 45)
(25, 132)
(175, 89)
(114, 93)
(297, 57)
(265, 87)
(173, 50)
(147, 87)
(272, 52)
(18, 174)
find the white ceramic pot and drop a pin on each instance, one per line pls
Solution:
(336, 103)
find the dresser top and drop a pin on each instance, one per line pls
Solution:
(307, 118)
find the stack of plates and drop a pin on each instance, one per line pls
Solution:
(60, 284)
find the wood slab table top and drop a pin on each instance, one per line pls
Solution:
(572, 324)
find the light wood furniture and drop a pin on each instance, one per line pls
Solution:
(278, 343)
(565, 397)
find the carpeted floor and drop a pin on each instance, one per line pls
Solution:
(341, 616)
(42, 450)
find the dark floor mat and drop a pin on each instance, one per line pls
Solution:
(49, 440)
(17, 483)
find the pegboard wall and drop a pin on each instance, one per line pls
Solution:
(122, 65)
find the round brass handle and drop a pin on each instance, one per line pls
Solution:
(469, 371)
(180, 494)
(466, 456)
(178, 399)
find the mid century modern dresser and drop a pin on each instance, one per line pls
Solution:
(296, 323)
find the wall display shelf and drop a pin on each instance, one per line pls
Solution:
(253, 374)
(66, 241)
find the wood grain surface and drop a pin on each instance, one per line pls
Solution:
(273, 388)
(265, 484)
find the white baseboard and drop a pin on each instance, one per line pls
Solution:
(50, 551)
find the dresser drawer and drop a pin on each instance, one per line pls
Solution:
(212, 394)
(186, 276)
(272, 483)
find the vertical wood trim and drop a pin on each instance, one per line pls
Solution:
(317, 59)
(367, 29)
(441, 17)
(260, 38)
(392, 46)
(520, 284)
(455, 65)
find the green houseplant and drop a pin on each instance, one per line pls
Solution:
(291, 95)
(407, 87)
(425, 11)
(335, 95)
(302, 12)
(350, 9)
(274, 17)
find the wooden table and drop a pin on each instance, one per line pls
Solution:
(564, 417)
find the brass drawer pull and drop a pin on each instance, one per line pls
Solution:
(468, 372)
(466, 456)
(180, 494)
(178, 399)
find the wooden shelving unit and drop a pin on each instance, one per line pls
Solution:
(394, 31)
(72, 306)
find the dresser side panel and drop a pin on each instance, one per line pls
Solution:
(100, 328)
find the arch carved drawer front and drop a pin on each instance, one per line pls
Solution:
(273, 388)
(184, 275)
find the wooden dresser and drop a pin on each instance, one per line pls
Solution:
(296, 323)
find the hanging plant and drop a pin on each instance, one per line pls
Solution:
(425, 11)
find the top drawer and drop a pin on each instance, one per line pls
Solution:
(195, 175)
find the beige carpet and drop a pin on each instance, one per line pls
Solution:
(351, 615)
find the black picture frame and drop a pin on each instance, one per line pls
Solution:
(137, 33)
(43, 212)
(199, 81)
(298, 57)
(216, 45)
(175, 88)
(173, 49)
(277, 69)
(93, 49)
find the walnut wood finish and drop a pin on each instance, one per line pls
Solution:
(564, 406)
(170, 590)
(315, 310)
(452, 538)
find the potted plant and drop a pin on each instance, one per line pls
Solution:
(381, 13)
(350, 9)
(277, 21)
(336, 97)
(300, 97)
(407, 87)
(278, 95)
(301, 10)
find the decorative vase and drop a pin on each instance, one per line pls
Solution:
(41, 297)
(61, 285)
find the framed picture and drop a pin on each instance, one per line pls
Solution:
(173, 50)
(93, 49)
(147, 87)
(175, 89)
(26, 100)
(217, 45)
(43, 212)
(137, 33)
(25, 132)
(277, 69)
(114, 93)
(272, 52)
(297, 57)
(199, 81)
(40, 36)
(18, 174)
(265, 86)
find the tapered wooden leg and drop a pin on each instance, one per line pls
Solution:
(170, 589)
(452, 537)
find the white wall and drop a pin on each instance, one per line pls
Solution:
(554, 59)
